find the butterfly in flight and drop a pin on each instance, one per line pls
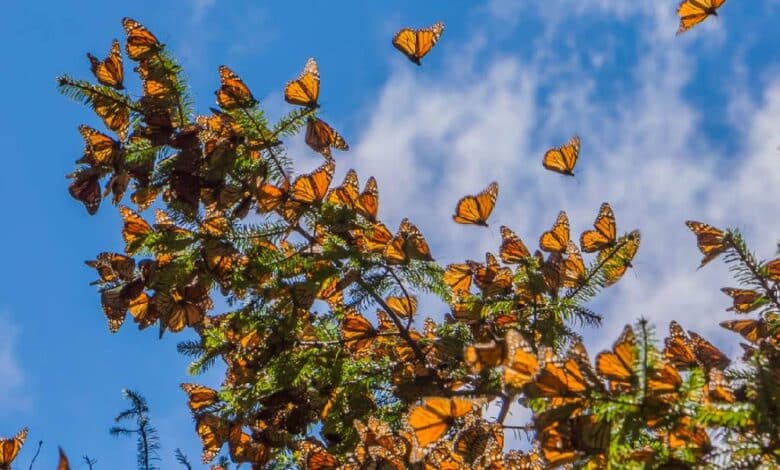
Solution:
(562, 159)
(415, 44)
(693, 12)
(476, 209)
(305, 90)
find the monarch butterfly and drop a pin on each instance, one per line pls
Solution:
(141, 43)
(617, 260)
(199, 396)
(135, 229)
(561, 382)
(481, 356)
(617, 366)
(117, 300)
(552, 270)
(114, 112)
(458, 277)
(315, 457)
(375, 239)
(572, 267)
(313, 187)
(9, 448)
(213, 433)
(693, 12)
(243, 448)
(348, 192)
(490, 277)
(556, 445)
(476, 209)
(478, 441)
(520, 364)
(86, 189)
(605, 234)
(745, 300)
(357, 332)
(773, 269)
(415, 44)
(407, 244)
(556, 240)
(321, 137)
(305, 90)
(678, 348)
(710, 240)
(404, 306)
(183, 306)
(63, 463)
(433, 418)
(113, 267)
(512, 250)
(367, 203)
(99, 149)
(752, 330)
(109, 71)
(687, 435)
(562, 159)
(271, 197)
(157, 85)
(233, 93)
(709, 356)
(718, 388)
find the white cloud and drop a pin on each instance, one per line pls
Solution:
(11, 398)
(433, 137)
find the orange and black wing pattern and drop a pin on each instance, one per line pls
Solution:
(617, 365)
(199, 396)
(476, 209)
(693, 12)
(9, 448)
(233, 93)
(415, 44)
(305, 90)
(357, 332)
(678, 348)
(314, 186)
(512, 250)
(367, 203)
(109, 71)
(135, 229)
(556, 240)
(604, 234)
(430, 420)
(321, 137)
(141, 43)
(745, 300)
(710, 240)
(562, 159)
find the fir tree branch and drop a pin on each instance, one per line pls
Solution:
(747, 260)
(269, 148)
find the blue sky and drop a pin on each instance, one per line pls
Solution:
(672, 128)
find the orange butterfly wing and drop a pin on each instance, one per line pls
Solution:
(109, 71)
(693, 12)
(476, 209)
(431, 420)
(314, 186)
(563, 159)
(367, 203)
(512, 250)
(135, 229)
(305, 90)
(9, 448)
(605, 234)
(199, 396)
(617, 365)
(710, 240)
(557, 239)
(321, 137)
(233, 93)
(416, 44)
(141, 43)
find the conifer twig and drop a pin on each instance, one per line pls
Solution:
(37, 451)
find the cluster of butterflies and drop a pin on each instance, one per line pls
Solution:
(763, 332)
(564, 266)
